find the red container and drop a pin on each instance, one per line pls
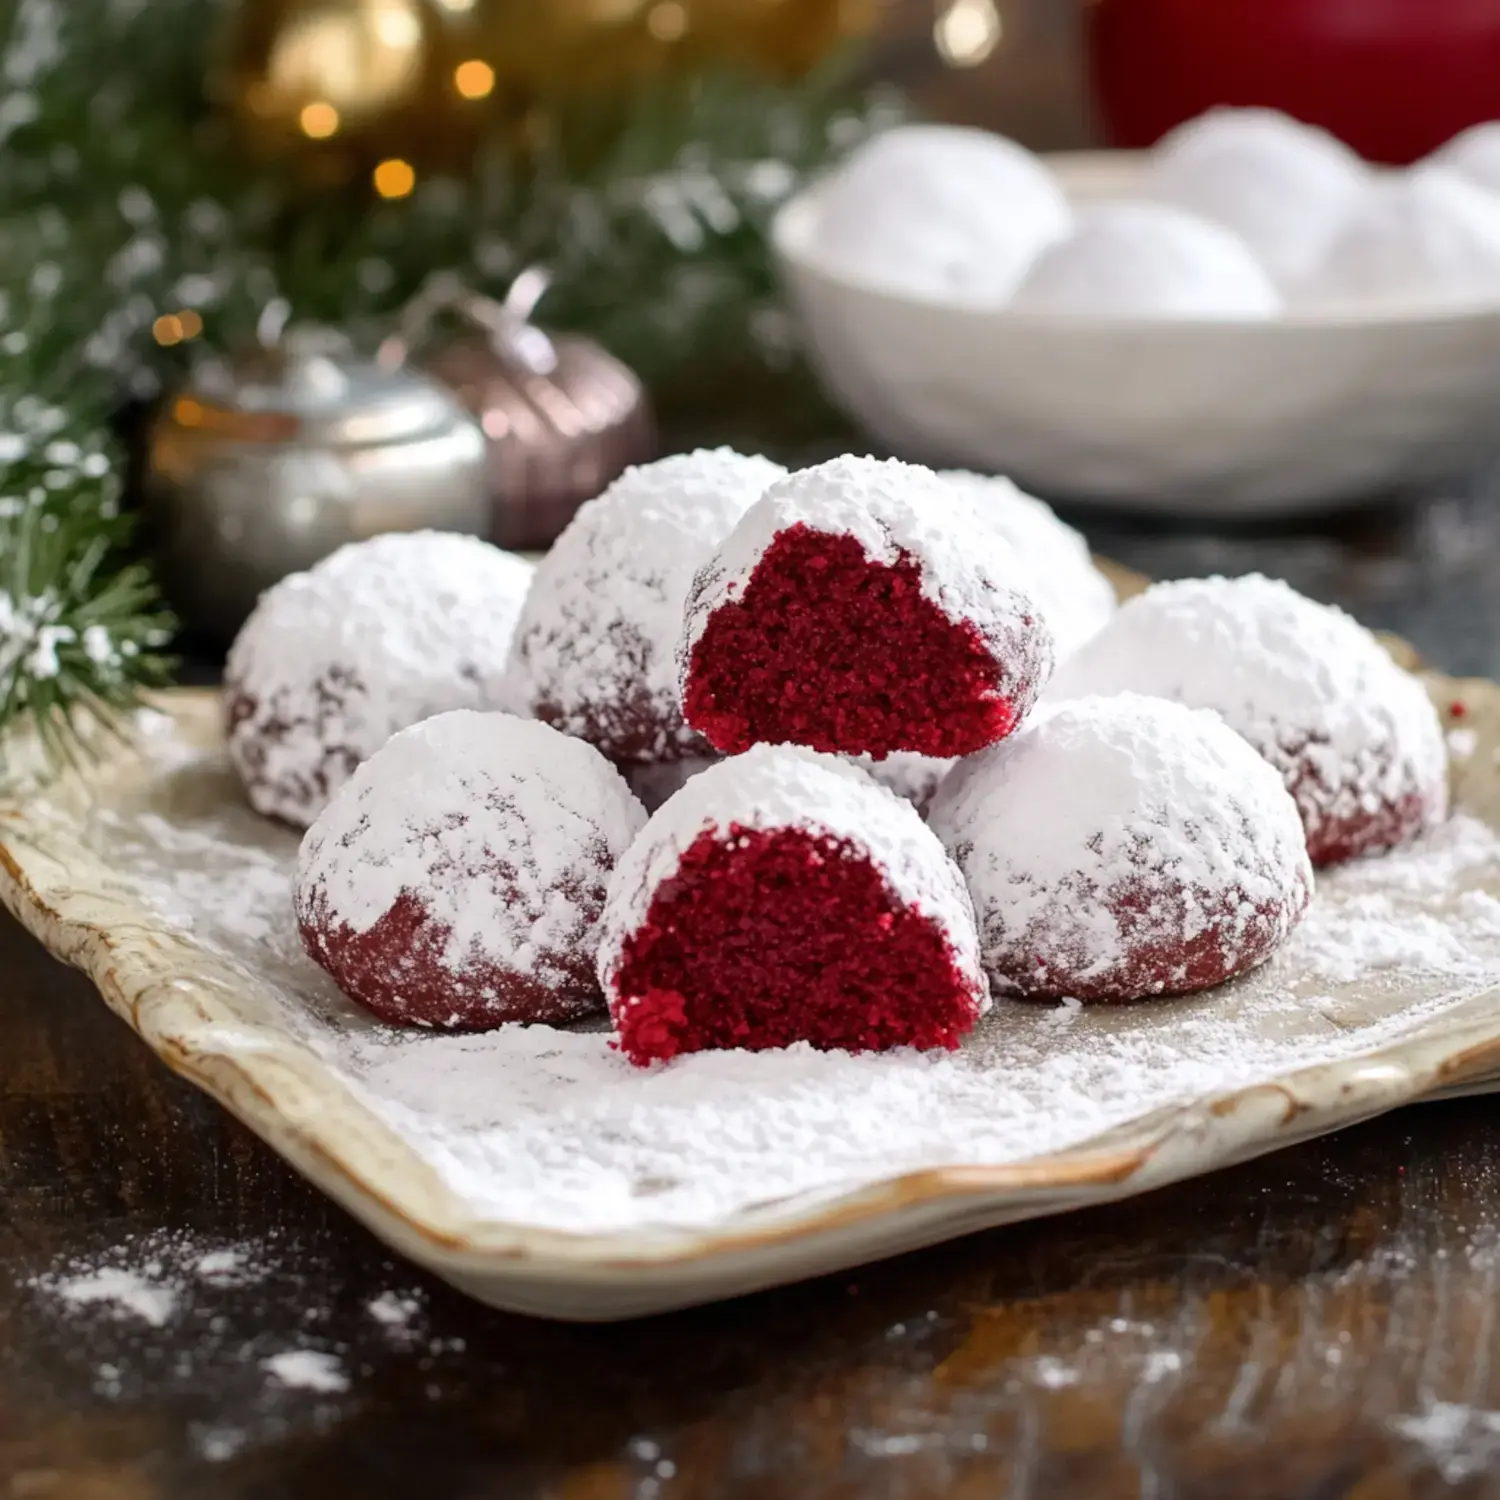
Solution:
(1393, 78)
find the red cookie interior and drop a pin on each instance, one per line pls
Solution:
(764, 938)
(829, 649)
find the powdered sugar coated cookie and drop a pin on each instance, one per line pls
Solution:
(1355, 737)
(594, 649)
(376, 637)
(1122, 847)
(1284, 187)
(1422, 239)
(783, 896)
(1148, 260)
(863, 607)
(457, 880)
(939, 211)
(1074, 596)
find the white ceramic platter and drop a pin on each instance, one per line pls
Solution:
(1182, 417)
(152, 876)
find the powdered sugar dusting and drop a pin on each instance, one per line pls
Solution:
(894, 510)
(594, 646)
(550, 1127)
(909, 775)
(121, 1290)
(1074, 596)
(1100, 799)
(451, 805)
(150, 1279)
(1308, 686)
(457, 881)
(376, 637)
(783, 786)
(308, 1370)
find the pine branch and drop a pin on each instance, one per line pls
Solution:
(82, 632)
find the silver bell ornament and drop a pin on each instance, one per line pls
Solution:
(561, 417)
(264, 463)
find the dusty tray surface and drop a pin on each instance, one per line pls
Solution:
(537, 1171)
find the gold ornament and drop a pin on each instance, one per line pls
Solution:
(344, 82)
(393, 88)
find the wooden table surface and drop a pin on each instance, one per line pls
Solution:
(1321, 1323)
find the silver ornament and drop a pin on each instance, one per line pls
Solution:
(263, 464)
(562, 417)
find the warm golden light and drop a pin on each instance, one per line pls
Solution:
(190, 322)
(394, 178)
(967, 31)
(474, 79)
(188, 412)
(666, 21)
(319, 120)
(167, 330)
(456, 5)
(397, 27)
(357, 58)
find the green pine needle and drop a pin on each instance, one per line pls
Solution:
(82, 634)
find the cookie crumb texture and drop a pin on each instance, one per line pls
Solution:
(863, 608)
(378, 636)
(1122, 847)
(824, 913)
(457, 881)
(764, 939)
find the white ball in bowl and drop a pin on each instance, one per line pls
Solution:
(1422, 240)
(1285, 188)
(1474, 154)
(939, 211)
(1147, 260)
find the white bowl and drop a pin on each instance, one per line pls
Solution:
(1183, 417)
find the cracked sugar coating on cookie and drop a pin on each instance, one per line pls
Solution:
(863, 606)
(596, 640)
(1124, 846)
(378, 636)
(1353, 735)
(782, 896)
(1077, 600)
(457, 880)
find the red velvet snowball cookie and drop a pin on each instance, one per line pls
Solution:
(376, 637)
(781, 897)
(595, 647)
(863, 607)
(1355, 738)
(1122, 847)
(457, 880)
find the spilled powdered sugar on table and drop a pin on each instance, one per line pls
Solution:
(551, 1128)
